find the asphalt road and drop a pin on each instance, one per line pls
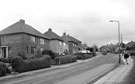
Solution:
(75, 74)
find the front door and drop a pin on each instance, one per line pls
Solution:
(4, 52)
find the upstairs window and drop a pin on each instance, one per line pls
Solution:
(33, 39)
(3, 38)
(64, 44)
(42, 41)
(60, 43)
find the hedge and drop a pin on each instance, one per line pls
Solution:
(37, 63)
(65, 59)
(20, 65)
(4, 60)
(83, 56)
(3, 69)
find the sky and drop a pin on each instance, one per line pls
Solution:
(86, 20)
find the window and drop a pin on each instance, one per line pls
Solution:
(64, 44)
(27, 48)
(33, 49)
(42, 41)
(3, 38)
(73, 44)
(60, 43)
(9, 49)
(33, 39)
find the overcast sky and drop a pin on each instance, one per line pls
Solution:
(86, 20)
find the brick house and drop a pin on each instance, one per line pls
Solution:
(74, 44)
(21, 38)
(56, 42)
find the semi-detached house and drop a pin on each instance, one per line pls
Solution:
(74, 45)
(21, 38)
(57, 44)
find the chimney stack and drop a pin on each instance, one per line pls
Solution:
(22, 21)
(49, 29)
(64, 34)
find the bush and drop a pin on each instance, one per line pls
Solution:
(87, 56)
(3, 69)
(38, 53)
(74, 58)
(65, 59)
(37, 63)
(17, 63)
(20, 65)
(49, 52)
(83, 56)
(21, 54)
(4, 60)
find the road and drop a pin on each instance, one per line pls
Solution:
(75, 74)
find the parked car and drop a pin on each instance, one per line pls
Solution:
(84, 51)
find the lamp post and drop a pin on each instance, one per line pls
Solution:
(118, 37)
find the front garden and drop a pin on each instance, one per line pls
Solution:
(38, 60)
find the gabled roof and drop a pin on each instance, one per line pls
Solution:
(84, 45)
(21, 27)
(52, 35)
(66, 37)
(130, 44)
(70, 38)
(74, 39)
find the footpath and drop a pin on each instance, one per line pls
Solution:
(117, 76)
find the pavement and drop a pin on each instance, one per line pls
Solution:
(117, 76)
(16, 75)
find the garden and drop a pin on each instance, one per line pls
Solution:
(38, 60)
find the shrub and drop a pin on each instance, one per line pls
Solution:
(74, 58)
(17, 63)
(4, 60)
(49, 52)
(20, 65)
(80, 57)
(65, 59)
(87, 56)
(37, 63)
(3, 69)
(21, 54)
(83, 56)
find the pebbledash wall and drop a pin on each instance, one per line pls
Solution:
(22, 43)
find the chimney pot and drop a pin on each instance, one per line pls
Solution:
(50, 29)
(64, 33)
(22, 21)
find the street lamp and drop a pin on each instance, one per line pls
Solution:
(118, 37)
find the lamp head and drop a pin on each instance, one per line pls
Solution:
(111, 20)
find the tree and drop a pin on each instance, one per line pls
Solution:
(95, 48)
(90, 49)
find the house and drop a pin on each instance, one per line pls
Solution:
(84, 46)
(74, 44)
(21, 38)
(56, 42)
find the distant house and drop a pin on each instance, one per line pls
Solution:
(74, 44)
(84, 46)
(21, 38)
(56, 42)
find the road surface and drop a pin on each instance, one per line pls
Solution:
(75, 74)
